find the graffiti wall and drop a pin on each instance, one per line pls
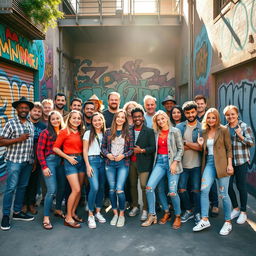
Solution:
(202, 62)
(133, 81)
(238, 87)
(235, 27)
(46, 81)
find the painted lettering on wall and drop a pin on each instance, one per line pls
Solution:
(202, 57)
(242, 95)
(133, 81)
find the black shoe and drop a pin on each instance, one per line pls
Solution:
(22, 216)
(5, 224)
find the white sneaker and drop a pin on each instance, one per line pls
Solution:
(114, 220)
(100, 218)
(144, 215)
(234, 214)
(91, 222)
(226, 228)
(203, 224)
(134, 211)
(242, 218)
(120, 222)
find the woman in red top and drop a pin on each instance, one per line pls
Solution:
(51, 167)
(69, 145)
(169, 148)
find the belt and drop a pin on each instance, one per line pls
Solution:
(76, 154)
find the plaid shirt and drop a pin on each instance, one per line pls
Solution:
(240, 148)
(128, 146)
(21, 151)
(44, 148)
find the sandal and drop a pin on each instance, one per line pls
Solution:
(77, 219)
(47, 225)
(60, 215)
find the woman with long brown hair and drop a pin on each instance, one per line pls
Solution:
(95, 166)
(69, 146)
(117, 147)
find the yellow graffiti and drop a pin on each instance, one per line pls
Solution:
(201, 61)
(10, 92)
(19, 53)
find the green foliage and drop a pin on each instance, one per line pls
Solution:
(42, 12)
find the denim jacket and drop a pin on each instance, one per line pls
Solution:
(175, 147)
(198, 130)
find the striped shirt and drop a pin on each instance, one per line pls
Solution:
(21, 151)
(241, 148)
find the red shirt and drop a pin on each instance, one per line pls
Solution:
(133, 157)
(162, 143)
(44, 147)
(70, 143)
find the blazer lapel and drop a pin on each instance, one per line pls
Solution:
(217, 134)
(141, 134)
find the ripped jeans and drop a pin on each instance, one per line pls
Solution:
(209, 175)
(156, 179)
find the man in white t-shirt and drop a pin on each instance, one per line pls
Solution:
(191, 162)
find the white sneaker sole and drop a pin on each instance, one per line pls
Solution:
(190, 217)
(5, 228)
(31, 219)
(202, 228)
(100, 221)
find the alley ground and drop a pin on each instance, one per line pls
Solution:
(30, 239)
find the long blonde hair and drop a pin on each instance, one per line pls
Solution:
(154, 122)
(214, 111)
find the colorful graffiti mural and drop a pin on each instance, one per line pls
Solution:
(46, 82)
(202, 61)
(133, 81)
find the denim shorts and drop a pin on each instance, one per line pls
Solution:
(71, 169)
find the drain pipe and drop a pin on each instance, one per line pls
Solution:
(61, 89)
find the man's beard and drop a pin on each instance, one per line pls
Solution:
(60, 108)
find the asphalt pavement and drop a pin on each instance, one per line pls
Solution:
(29, 238)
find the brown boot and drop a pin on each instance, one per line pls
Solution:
(177, 223)
(32, 209)
(152, 219)
(24, 209)
(165, 218)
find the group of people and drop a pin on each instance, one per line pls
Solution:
(177, 155)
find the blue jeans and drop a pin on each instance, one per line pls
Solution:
(156, 178)
(72, 169)
(194, 176)
(97, 182)
(55, 183)
(208, 178)
(117, 173)
(17, 179)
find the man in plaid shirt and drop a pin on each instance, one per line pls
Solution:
(17, 136)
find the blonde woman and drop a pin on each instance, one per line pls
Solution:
(216, 164)
(69, 145)
(169, 151)
(242, 139)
